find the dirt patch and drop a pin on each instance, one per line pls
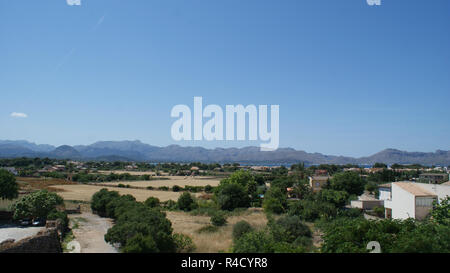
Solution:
(89, 231)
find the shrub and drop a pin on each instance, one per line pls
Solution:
(176, 188)
(208, 229)
(218, 219)
(183, 243)
(152, 202)
(9, 189)
(37, 204)
(254, 242)
(240, 228)
(100, 199)
(59, 215)
(140, 244)
(231, 196)
(310, 210)
(208, 189)
(275, 200)
(288, 229)
(163, 188)
(186, 202)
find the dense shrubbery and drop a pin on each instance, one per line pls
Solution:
(98, 177)
(311, 210)
(218, 219)
(186, 202)
(8, 186)
(152, 202)
(275, 200)
(353, 235)
(138, 227)
(240, 228)
(37, 205)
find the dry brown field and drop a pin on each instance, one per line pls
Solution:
(219, 241)
(172, 181)
(81, 192)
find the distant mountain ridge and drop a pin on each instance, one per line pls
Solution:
(138, 151)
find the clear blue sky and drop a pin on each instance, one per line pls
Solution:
(350, 79)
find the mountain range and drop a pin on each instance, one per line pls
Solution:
(138, 151)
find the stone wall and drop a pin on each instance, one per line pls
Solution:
(46, 241)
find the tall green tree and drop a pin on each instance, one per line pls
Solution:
(37, 204)
(8, 186)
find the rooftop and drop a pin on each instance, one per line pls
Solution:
(414, 188)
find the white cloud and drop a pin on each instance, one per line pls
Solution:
(18, 115)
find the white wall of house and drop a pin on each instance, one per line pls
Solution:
(385, 194)
(440, 190)
(403, 203)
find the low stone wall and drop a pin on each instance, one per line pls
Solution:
(46, 241)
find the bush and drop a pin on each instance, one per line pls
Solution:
(208, 189)
(59, 215)
(140, 244)
(9, 189)
(137, 225)
(310, 210)
(176, 188)
(208, 229)
(37, 205)
(184, 243)
(240, 228)
(186, 202)
(254, 242)
(152, 202)
(218, 219)
(100, 199)
(275, 200)
(379, 211)
(288, 229)
(163, 188)
(231, 196)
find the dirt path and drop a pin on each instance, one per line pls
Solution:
(89, 231)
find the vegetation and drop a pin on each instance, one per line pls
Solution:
(8, 186)
(37, 205)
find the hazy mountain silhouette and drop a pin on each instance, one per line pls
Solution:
(138, 151)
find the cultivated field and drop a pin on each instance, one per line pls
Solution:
(85, 192)
(219, 241)
(171, 181)
(130, 172)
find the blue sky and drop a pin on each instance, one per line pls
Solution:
(350, 79)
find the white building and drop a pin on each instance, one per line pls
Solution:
(404, 200)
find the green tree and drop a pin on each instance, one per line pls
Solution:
(350, 182)
(218, 219)
(288, 229)
(337, 198)
(152, 202)
(275, 200)
(186, 202)
(240, 228)
(101, 198)
(8, 186)
(37, 204)
(231, 196)
(140, 244)
(441, 212)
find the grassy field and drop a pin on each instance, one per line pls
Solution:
(130, 172)
(214, 242)
(85, 192)
(172, 181)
